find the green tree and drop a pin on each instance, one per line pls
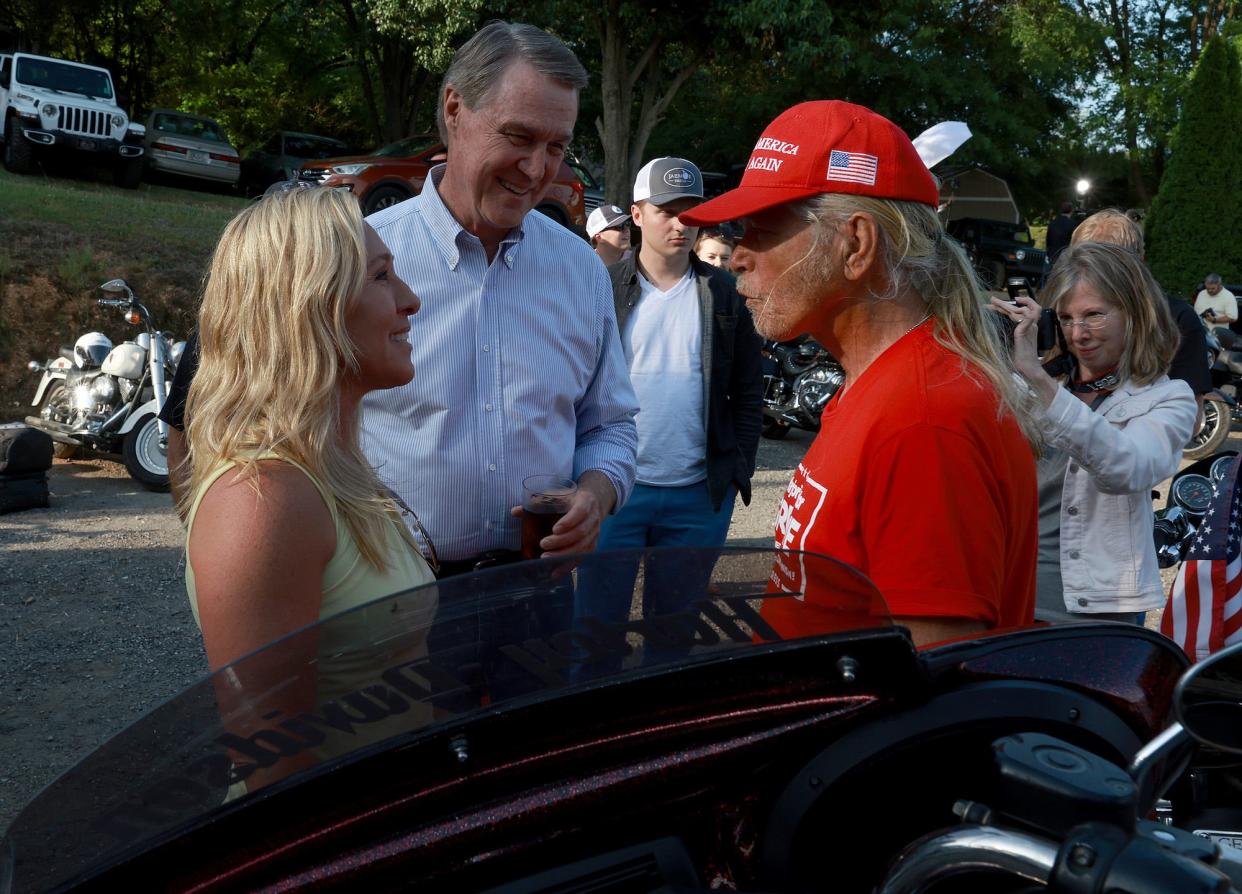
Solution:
(1196, 217)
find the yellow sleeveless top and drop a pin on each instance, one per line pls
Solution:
(348, 580)
(354, 650)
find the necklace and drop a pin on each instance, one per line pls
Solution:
(1106, 382)
(926, 317)
(845, 387)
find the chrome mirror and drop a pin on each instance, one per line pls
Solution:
(118, 287)
(1208, 700)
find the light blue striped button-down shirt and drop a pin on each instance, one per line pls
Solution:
(518, 371)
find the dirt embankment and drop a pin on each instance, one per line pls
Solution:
(41, 308)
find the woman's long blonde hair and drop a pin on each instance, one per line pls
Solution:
(916, 252)
(1120, 277)
(274, 350)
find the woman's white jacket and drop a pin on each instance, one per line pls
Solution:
(1116, 456)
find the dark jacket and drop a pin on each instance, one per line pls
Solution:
(732, 381)
(1060, 230)
(1190, 362)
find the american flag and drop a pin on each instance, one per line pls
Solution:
(1204, 611)
(853, 167)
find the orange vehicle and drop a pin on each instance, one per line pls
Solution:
(397, 171)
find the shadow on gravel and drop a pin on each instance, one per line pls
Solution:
(93, 637)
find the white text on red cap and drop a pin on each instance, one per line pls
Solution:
(766, 162)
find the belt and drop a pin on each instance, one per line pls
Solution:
(490, 559)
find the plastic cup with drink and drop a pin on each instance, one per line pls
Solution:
(545, 500)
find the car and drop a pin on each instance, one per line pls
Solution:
(282, 153)
(998, 250)
(188, 145)
(397, 171)
(58, 106)
(592, 189)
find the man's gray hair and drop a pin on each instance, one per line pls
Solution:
(482, 60)
(1211, 279)
(1112, 226)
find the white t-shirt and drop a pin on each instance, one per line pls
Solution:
(1223, 302)
(663, 343)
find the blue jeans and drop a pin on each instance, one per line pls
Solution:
(657, 516)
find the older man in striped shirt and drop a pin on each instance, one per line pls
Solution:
(519, 370)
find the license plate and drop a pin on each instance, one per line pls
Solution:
(200, 157)
(87, 145)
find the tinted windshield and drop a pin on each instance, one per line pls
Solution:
(60, 76)
(185, 126)
(408, 146)
(403, 666)
(313, 147)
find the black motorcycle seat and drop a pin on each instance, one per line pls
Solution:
(66, 351)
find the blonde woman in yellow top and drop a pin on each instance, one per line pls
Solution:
(287, 523)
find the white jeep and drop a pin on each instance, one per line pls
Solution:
(61, 105)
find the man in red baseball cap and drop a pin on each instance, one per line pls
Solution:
(923, 473)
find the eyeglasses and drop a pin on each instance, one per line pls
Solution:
(1091, 322)
(430, 553)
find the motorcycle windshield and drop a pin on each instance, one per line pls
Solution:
(400, 667)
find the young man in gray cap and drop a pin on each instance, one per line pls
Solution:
(693, 357)
(608, 228)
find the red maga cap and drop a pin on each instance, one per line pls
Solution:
(824, 146)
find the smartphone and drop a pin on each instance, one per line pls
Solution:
(1018, 285)
(1048, 332)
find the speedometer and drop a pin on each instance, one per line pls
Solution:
(1193, 493)
(1220, 468)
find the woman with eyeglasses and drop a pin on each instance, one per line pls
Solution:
(286, 522)
(1114, 426)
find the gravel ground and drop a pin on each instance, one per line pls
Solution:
(95, 629)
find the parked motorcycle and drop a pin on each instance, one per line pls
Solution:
(1062, 816)
(800, 377)
(459, 737)
(107, 398)
(1190, 496)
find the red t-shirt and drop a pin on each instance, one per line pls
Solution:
(916, 482)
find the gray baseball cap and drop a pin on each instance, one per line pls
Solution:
(666, 179)
(605, 217)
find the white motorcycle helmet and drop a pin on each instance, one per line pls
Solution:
(90, 350)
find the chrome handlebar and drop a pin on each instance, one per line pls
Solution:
(943, 854)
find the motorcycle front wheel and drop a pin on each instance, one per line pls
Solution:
(775, 428)
(57, 394)
(1212, 432)
(145, 459)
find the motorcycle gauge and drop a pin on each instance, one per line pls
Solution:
(1193, 493)
(1220, 468)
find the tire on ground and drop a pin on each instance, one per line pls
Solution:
(128, 173)
(1212, 432)
(553, 211)
(18, 153)
(382, 197)
(775, 429)
(145, 460)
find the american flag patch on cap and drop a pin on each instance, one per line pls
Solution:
(852, 167)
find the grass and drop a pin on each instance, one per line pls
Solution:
(79, 270)
(60, 237)
(159, 218)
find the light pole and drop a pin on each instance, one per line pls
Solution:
(1083, 187)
